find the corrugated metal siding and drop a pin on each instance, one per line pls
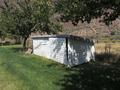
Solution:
(52, 48)
(79, 52)
(58, 49)
(41, 47)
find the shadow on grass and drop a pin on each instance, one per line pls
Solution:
(108, 58)
(17, 49)
(94, 76)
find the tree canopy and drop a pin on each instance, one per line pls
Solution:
(86, 10)
(27, 16)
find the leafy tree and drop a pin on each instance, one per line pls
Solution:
(27, 16)
(85, 10)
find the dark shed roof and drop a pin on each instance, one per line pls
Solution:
(62, 36)
(56, 36)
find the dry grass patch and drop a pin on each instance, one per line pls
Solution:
(114, 47)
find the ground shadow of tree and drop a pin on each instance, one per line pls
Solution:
(18, 49)
(108, 59)
(94, 76)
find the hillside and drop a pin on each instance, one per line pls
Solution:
(93, 29)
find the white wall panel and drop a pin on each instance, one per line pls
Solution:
(58, 49)
(52, 48)
(80, 51)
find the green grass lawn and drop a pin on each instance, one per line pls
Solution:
(20, 71)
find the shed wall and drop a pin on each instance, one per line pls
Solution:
(52, 48)
(80, 51)
(41, 47)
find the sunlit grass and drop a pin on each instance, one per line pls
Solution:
(20, 71)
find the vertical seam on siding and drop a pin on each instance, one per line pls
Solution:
(67, 50)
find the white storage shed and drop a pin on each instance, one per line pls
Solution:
(65, 49)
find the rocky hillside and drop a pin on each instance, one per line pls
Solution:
(93, 29)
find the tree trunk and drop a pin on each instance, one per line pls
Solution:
(24, 43)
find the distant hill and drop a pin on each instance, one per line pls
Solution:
(1, 2)
(93, 29)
